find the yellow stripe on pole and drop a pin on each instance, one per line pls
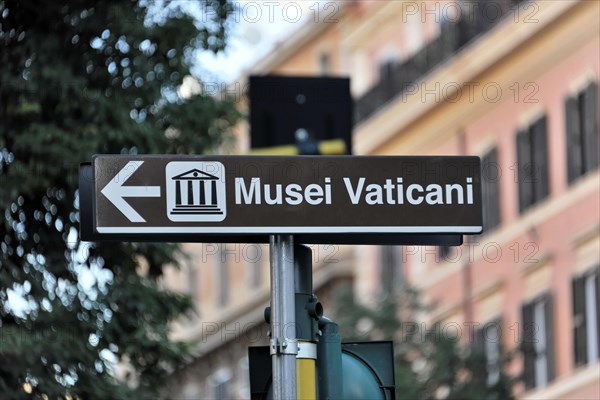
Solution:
(306, 378)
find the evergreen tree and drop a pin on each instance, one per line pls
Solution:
(78, 78)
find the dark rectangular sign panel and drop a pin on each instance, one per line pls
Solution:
(279, 105)
(353, 198)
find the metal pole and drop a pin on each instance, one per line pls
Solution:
(308, 309)
(284, 345)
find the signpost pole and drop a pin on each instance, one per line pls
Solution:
(284, 345)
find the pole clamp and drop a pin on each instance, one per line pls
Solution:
(287, 346)
(307, 350)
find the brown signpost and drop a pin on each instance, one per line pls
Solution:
(316, 198)
(282, 201)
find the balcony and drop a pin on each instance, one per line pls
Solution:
(453, 37)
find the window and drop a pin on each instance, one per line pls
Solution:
(490, 178)
(390, 268)
(586, 323)
(532, 159)
(488, 341)
(220, 384)
(581, 115)
(538, 342)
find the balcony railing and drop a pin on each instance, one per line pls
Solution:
(452, 38)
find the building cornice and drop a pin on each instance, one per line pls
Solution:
(362, 32)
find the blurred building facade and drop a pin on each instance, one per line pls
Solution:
(514, 82)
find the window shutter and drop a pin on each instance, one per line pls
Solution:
(524, 170)
(495, 364)
(485, 193)
(574, 151)
(579, 322)
(549, 337)
(590, 126)
(539, 142)
(494, 194)
(497, 323)
(490, 189)
(528, 346)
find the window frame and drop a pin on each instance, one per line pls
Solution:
(533, 164)
(490, 192)
(586, 333)
(485, 346)
(538, 345)
(582, 132)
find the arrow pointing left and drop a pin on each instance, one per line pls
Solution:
(115, 191)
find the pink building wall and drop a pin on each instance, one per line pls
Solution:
(550, 238)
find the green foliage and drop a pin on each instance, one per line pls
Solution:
(429, 362)
(79, 78)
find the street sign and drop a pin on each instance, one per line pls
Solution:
(321, 199)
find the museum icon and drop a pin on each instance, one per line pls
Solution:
(195, 191)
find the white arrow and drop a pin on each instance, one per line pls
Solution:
(115, 191)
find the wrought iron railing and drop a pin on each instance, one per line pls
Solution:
(452, 38)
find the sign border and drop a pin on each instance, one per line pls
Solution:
(370, 235)
(292, 229)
